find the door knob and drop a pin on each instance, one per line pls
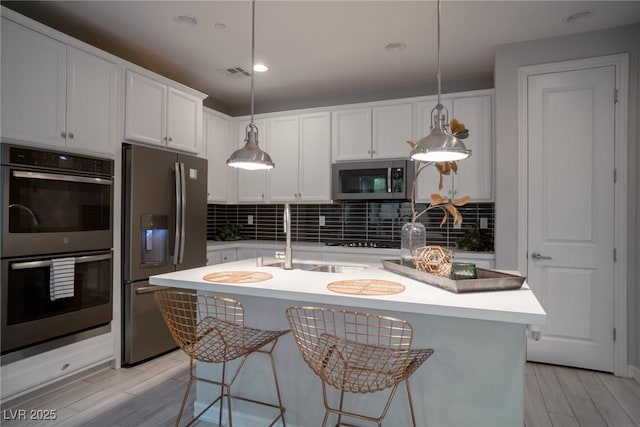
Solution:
(536, 255)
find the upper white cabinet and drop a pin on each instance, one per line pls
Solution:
(474, 176)
(158, 114)
(252, 185)
(392, 128)
(300, 149)
(56, 94)
(216, 136)
(283, 149)
(314, 174)
(379, 132)
(351, 134)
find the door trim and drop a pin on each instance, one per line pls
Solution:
(621, 63)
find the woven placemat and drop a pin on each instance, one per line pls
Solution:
(237, 277)
(366, 287)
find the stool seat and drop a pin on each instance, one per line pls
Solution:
(211, 329)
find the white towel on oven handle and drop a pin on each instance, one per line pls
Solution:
(61, 278)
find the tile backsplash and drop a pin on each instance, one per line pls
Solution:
(362, 221)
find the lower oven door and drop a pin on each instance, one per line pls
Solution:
(32, 312)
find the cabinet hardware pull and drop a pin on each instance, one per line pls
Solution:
(71, 135)
(63, 134)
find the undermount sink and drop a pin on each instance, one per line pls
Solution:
(330, 268)
(320, 268)
(295, 265)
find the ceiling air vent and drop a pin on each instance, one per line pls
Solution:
(235, 72)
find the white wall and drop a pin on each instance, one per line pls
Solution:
(507, 60)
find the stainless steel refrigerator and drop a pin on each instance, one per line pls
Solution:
(164, 230)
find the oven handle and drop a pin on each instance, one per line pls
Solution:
(47, 262)
(150, 289)
(389, 180)
(58, 177)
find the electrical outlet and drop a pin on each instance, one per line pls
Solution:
(250, 219)
(484, 222)
(322, 221)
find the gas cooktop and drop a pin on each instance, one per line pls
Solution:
(366, 244)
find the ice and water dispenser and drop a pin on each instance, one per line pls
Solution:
(154, 232)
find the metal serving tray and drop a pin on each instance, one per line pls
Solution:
(488, 280)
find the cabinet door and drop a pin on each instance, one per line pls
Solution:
(214, 257)
(429, 178)
(252, 184)
(315, 158)
(392, 127)
(145, 110)
(351, 134)
(474, 177)
(184, 121)
(91, 102)
(33, 86)
(283, 179)
(216, 137)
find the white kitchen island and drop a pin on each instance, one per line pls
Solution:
(475, 377)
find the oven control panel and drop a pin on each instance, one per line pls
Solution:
(56, 160)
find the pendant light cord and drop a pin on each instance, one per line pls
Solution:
(438, 55)
(253, 48)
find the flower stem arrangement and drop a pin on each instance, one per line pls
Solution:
(414, 233)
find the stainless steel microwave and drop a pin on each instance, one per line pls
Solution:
(372, 180)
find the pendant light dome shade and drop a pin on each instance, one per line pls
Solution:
(440, 145)
(250, 156)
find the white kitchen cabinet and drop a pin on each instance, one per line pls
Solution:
(247, 253)
(55, 94)
(220, 256)
(33, 373)
(252, 185)
(314, 174)
(158, 114)
(474, 176)
(392, 128)
(351, 134)
(379, 132)
(300, 148)
(284, 151)
(216, 136)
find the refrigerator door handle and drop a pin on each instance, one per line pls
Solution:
(178, 235)
(183, 213)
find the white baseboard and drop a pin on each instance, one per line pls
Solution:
(634, 372)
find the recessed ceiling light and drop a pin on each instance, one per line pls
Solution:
(186, 20)
(219, 26)
(583, 16)
(395, 47)
(260, 68)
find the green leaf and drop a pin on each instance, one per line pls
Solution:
(462, 134)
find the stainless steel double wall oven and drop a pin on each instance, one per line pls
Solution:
(55, 206)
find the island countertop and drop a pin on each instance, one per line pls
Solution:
(511, 306)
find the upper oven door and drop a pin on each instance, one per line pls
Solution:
(48, 212)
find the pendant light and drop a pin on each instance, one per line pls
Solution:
(251, 157)
(440, 145)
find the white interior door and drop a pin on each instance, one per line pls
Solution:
(571, 215)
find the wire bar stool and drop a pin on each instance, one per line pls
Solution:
(356, 353)
(211, 329)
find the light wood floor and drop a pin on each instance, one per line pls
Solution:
(150, 395)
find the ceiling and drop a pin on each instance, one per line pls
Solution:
(319, 52)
